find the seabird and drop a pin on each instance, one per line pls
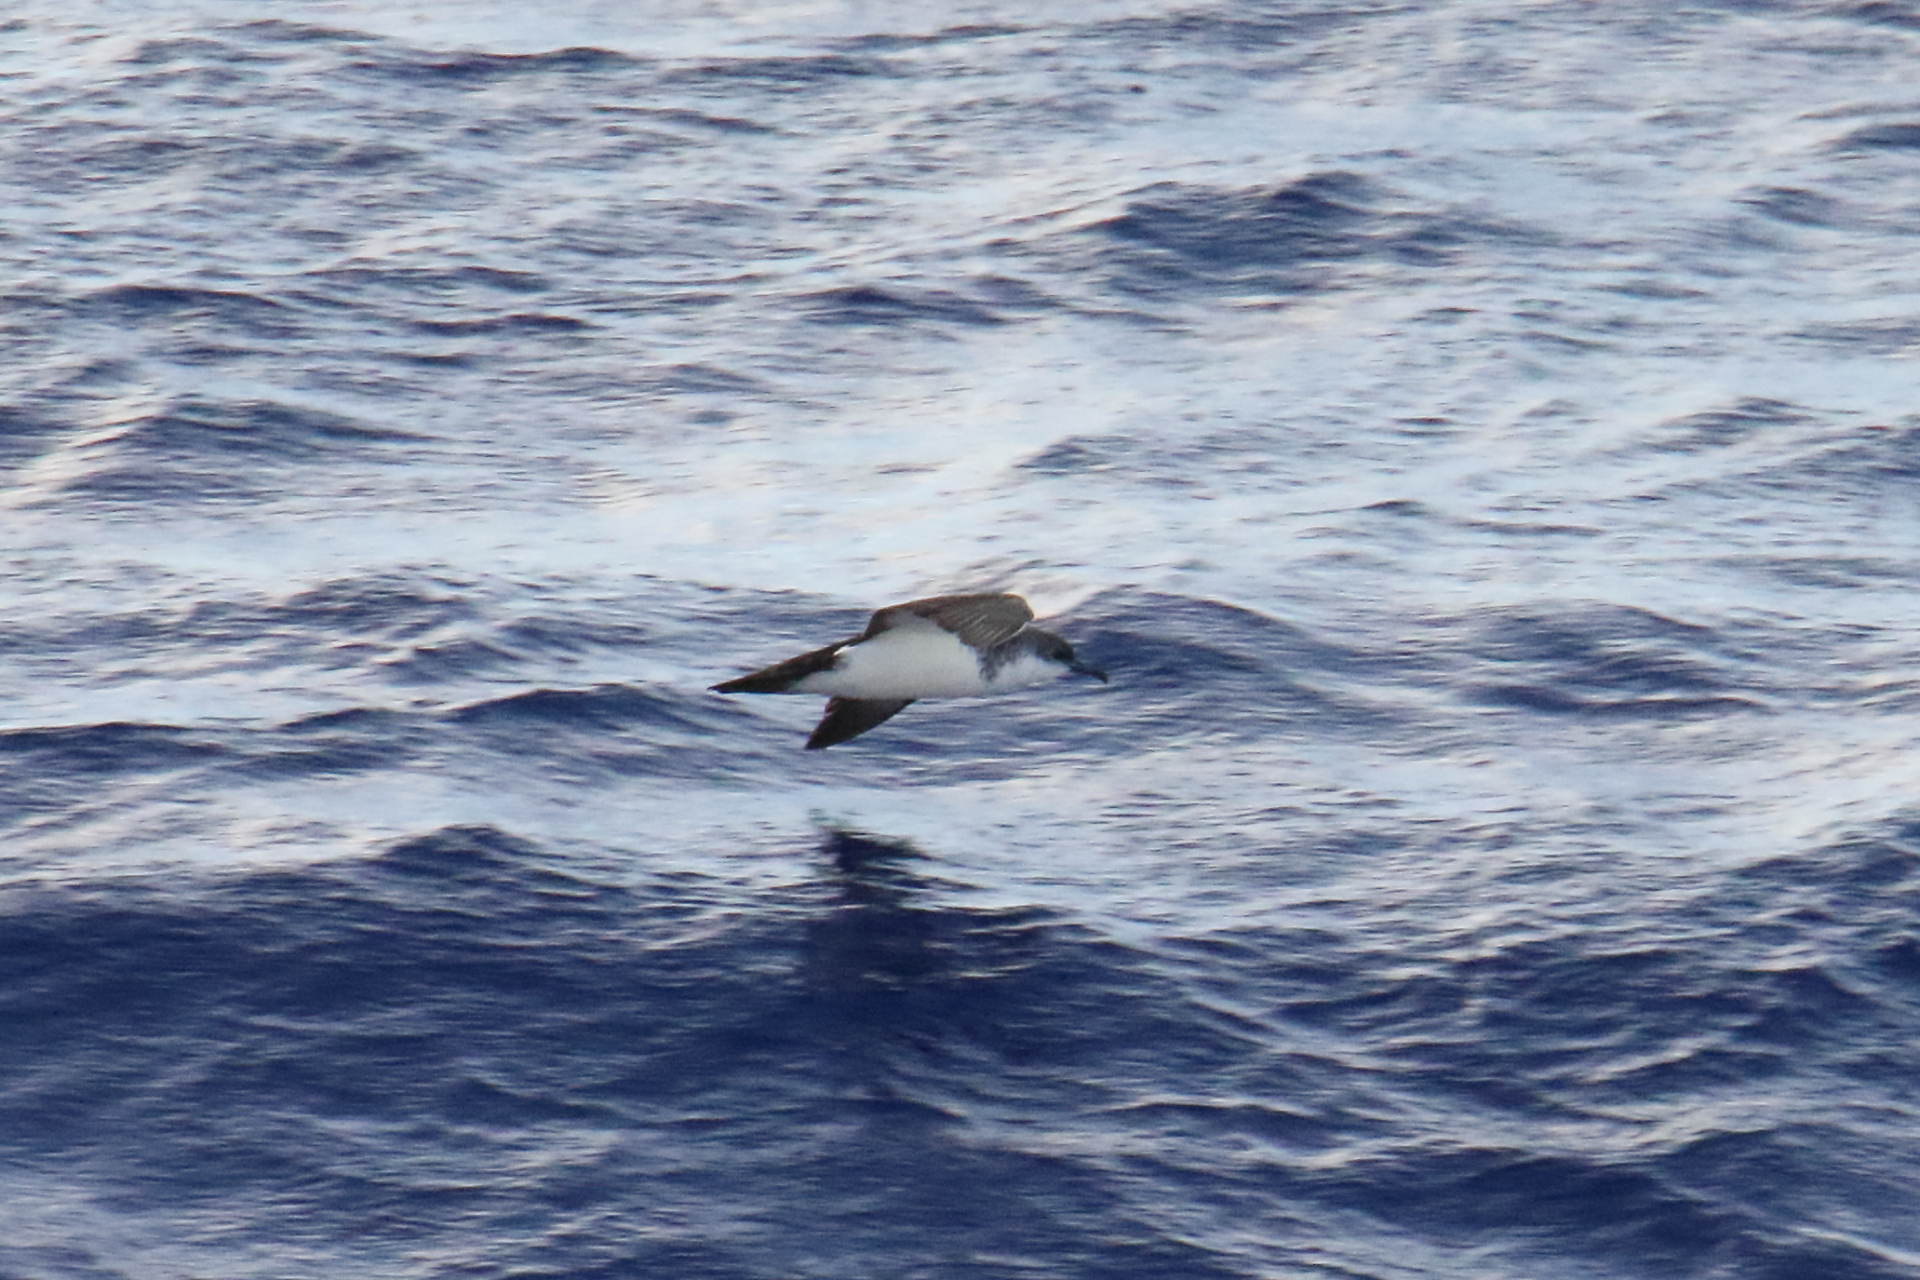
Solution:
(941, 647)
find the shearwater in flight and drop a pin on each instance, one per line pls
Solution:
(940, 647)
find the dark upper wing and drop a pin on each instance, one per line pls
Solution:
(981, 621)
(779, 677)
(851, 717)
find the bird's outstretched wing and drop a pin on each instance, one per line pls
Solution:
(851, 717)
(782, 676)
(981, 620)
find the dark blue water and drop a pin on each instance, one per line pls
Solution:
(1479, 440)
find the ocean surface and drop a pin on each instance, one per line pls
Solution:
(1480, 437)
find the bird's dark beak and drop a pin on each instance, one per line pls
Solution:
(1080, 668)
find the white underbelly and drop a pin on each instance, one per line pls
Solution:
(917, 662)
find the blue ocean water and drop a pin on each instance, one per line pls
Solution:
(1479, 437)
